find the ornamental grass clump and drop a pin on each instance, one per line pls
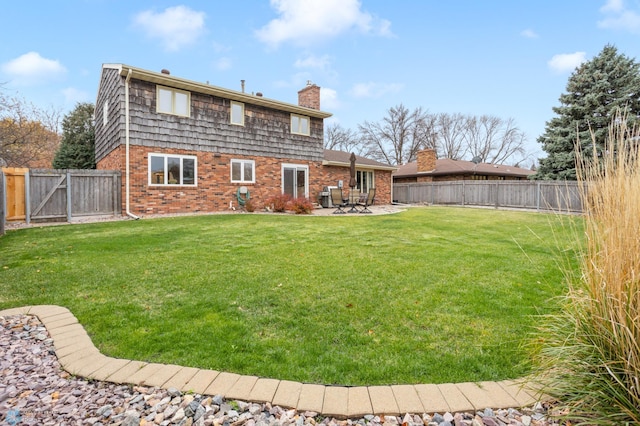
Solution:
(590, 351)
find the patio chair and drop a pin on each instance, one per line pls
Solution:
(337, 201)
(368, 201)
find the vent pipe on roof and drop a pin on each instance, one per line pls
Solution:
(165, 71)
(259, 94)
(242, 85)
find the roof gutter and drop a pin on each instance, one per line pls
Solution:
(359, 165)
(126, 138)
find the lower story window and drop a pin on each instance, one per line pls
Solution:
(167, 169)
(242, 171)
(365, 180)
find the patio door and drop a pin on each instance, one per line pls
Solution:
(295, 180)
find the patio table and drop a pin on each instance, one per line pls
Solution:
(353, 200)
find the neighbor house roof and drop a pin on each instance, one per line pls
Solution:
(447, 166)
(342, 159)
(194, 86)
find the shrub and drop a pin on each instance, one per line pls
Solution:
(589, 352)
(301, 205)
(249, 207)
(279, 203)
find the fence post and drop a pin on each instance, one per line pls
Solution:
(27, 197)
(497, 195)
(538, 188)
(463, 192)
(3, 202)
(116, 188)
(68, 196)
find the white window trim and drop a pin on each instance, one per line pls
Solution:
(296, 166)
(173, 101)
(231, 113)
(181, 157)
(372, 184)
(242, 163)
(105, 112)
(296, 132)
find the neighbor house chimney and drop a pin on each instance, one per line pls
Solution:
(426, 160)
(309, 96)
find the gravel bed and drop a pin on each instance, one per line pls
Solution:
(34, 390)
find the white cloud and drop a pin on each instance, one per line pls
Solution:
(374, 90)
(220, 48)
(176, 27)
(310, 21)
(612, 6)
(329, 99)
(619, 17)
(31, 68)
(73, 95)
(298, 81)
(565, 62)
(529, 33)
(312, 61)
(222, 64)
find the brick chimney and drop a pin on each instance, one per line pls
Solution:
(309, 96)
(426, 160)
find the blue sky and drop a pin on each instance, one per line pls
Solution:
(505, 58)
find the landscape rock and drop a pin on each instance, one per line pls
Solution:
(34, 390)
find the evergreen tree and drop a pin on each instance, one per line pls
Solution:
(77, 150)
(597, 91)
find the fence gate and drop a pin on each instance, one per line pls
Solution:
(49, 190)
(15, 184)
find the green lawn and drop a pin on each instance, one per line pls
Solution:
(430, 295)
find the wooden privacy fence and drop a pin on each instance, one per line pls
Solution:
(60, 195)
(560, 196)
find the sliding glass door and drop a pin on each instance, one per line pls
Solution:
(295, 180)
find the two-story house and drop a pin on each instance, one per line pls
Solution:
(185, 146)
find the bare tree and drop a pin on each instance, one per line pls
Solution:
(491, 139)
(451, 129)
(28, 135)
(341, 139)
(399, 136)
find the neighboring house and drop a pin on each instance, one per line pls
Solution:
(430, 169)
(185, 146)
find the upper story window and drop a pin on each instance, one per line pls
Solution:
(170, 169)
(242, 171)
(237, 113)
(300, 124)
(173, 101)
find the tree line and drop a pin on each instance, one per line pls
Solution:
(599, 94)
(39, 138)
(397, 138)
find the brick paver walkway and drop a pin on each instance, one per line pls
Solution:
(80, 357)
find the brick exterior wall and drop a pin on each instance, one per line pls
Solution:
(214, 190)
(309, 97)
(330, 175)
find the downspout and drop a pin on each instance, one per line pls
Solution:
(126, 138)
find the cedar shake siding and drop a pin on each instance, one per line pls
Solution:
(266, 131)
